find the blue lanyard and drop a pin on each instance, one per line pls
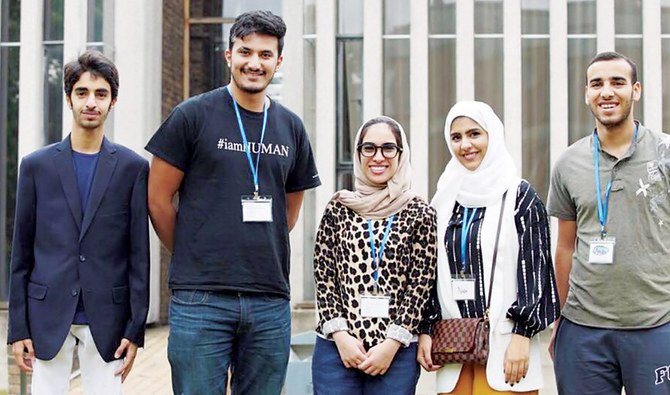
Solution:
(377, 257)
(467, 223)
(603, 206)
(247, 148)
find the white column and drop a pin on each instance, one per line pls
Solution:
(418, 93)
(512, 79)
(605, 25)
(31, 79)
(292, 97)
(138, 34)
(326, 13)
(373, 58)
(75, 19)
(465, 50)
(652, 91)
(558, 71)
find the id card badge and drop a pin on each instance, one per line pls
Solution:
(257, 209)
(375, 306)
(601, 251)
(463, 288)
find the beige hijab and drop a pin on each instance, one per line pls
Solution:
(378, 201)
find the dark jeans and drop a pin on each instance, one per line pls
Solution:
(212, 331)
(330, 377)
(595, 361)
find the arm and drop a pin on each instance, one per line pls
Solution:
(138, 264)
(164, 182)
(420, 279)
(332, 317)
(22, 264)
(565, 248)
(293, 204)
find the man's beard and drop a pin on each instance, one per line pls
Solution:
(250, 89)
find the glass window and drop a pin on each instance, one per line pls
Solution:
(9, 120)
(10, 24)
(95, 18)
(442, 17)
(207, 64)
(349, 103)
(309, 87)
(632, 47)
(581, 16)
(396, 16)
(535, 17)
(309, 17)
(396, 81)
(442, 95)
(489, 81)
(53, 20)
(350, 17)
(628, 16)
(231, 9)
(535, 113)
(666, 82)
(665, 16)
(53, 93)
(488, 16)
(580, 119)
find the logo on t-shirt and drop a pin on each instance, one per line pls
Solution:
(662, 374)
(265, 148)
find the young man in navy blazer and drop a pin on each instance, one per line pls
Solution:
(80, 256)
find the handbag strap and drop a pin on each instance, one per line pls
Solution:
(495, 256)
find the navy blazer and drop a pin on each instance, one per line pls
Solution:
(61, 250)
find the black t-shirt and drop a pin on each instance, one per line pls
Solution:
(213, 248)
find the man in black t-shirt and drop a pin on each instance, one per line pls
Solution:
(241, 163)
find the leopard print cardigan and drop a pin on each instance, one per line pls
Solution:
(343, 271)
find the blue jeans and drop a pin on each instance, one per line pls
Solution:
(597, 361)
(330, 377)
(212, 331)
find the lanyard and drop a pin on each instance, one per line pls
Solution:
(377, 256)
(603, 206)
(247, 148)
(467, 223)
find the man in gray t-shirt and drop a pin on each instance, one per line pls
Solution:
(613, 254)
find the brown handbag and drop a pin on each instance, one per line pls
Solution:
(462, 340)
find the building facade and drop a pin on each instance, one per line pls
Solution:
(344, 61)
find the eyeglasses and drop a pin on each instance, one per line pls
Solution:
(389, 150)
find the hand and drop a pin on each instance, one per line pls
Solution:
(553, 338)
(516, 359)
(423, 354)
(379, 357)
(351, 350)
(130, 350)
(24, 361)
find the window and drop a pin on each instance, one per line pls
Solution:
(396, 61)
(441, 83)
(349, 86)
(489, 79)
(9, 117)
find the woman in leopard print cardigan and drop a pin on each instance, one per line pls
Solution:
(370, 309)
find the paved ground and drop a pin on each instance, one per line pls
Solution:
(151, 373)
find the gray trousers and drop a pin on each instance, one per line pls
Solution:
(595, 361)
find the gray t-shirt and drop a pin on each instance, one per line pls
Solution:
(634, 291)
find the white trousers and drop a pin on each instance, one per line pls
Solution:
(53, 377)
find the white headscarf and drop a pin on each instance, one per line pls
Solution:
(378, 201)
(482, 187)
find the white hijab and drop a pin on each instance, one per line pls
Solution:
(378, 201)
(483, 187)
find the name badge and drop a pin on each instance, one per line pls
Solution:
(463, 288)
(257, 209)
(373, 306)
(602, 251)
